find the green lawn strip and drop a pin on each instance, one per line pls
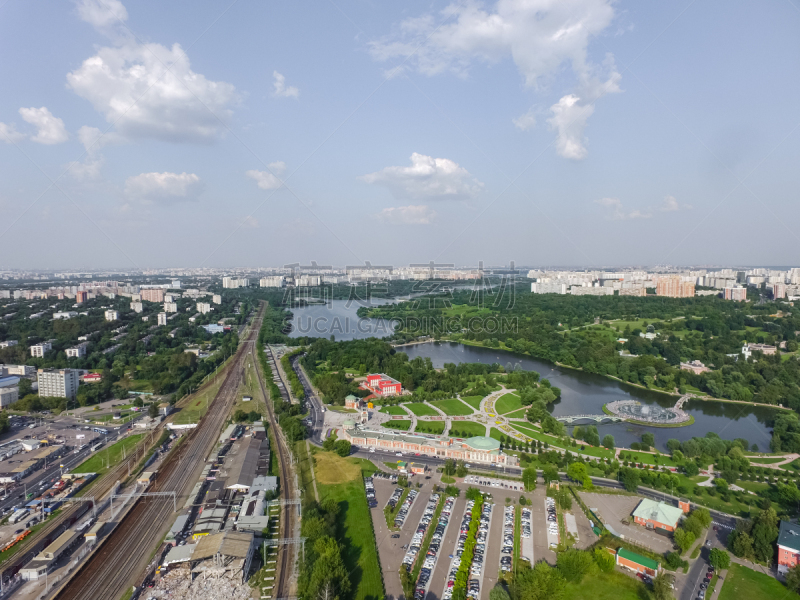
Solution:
(109, 456)
(742, 582)
(765, 460)
(453, 407)
(341, 409)
(517, 414)
(469, 548)
(422, 410)
(394, 410)
(558, 443)
(645, 457)
(606, 586)
(517, 534)
(426, 542)
(435, 427)
(467, 428)
(354, 528)
(473, 401)
(390, 513)
(507, 403)
(402, 425)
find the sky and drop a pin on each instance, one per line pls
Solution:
(579, 133)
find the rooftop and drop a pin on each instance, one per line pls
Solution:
(638, 559)
(789, 536)
(658, 512)
(483, 443)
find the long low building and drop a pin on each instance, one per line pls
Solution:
(479, 449)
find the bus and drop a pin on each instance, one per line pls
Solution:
(97, 446)
(100, 430)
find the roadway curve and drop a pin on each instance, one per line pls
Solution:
(114, 567)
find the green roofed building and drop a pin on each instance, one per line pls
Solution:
(637, 562)
(657, 515)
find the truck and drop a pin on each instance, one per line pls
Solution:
(18, 515)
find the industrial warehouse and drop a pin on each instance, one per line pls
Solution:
(479, 449)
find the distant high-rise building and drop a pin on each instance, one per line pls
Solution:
(548, 287)
(81, 297)
(204, 308)
(112, 315)
(137, 307)
(153, 295)
(216, 299)
(735, 293)
(170, 307)
(778, 290)
(162, 318)
(267, 282)
(58, 383)
(176, 284)
(673, 287)
(233, 283)
(39, 350)
(77, 351)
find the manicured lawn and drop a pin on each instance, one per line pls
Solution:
(108, 455)
(742, 583)
(553, 441)
(394, 410)
(453, 407)
(645, 457)
(606, 586)
(340, 409)
(517, 414)
(507, 403)
(467, 428)
(402, 425)
(473, 401)
(355, 531)
(422, 410)
(436, 427)
(765, 460)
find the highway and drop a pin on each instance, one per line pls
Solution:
(116, 565)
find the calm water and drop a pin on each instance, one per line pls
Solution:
(585, 393)
(338, 318)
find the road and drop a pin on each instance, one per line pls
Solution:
(316, 418)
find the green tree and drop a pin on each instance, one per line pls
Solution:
(461, 469)
(662, 587)
(329, 579)
(604, 559)
(574, 564)
(719, 559)
(793, 579)
(764, 533)
(449, 467)
(630, 479)
(608, 441)
(499, 592)
(529, 477)
(577, 472)
(152, 410)
(684, 539)
(542, 582)
(550, 473)
(649, 439)
(343, 448)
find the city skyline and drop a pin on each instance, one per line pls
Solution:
(143, 136)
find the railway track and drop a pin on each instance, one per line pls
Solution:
(285, 562)
(114, 567)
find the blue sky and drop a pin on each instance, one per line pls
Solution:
(548, 132)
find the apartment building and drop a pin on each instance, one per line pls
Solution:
(204, 308)
(39, 350)
(58, 383)
(78, 351)
(112, 315)
(738, 294)
(162, 318)
(232, 283)
(8, 395)
(137, 307)
(548, 287)
(216, 299)
(8, 343)
(81, 297)
(272, 282)
(674, 287)
(153, 295)
(170, 307)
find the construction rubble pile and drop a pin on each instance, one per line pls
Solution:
(178, 585)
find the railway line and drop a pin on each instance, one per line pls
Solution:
(114, 567)
(285, 562)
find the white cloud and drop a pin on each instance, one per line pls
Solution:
(538, 35)
(268, 180)
(93, 139)
(526, 121)
(164, 187)
(617, 212)
(569, 119)
(9, 134)
(50, 129)
(407, 215)
(671, 204)
(102, 13)
(88, 170)
(148, 90)
(427, 177)
(281, 89)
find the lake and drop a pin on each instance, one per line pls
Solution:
(586, 393)
(339, 318)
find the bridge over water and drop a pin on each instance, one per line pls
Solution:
(595, 418)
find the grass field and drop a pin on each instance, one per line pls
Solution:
(354, 523)
(517, 414)
(421, 410)
(606, 586)
(394, 410)
(765, 460)
(467, 428)
(401, 425)
(436, 427)
(192, 408)
(453, 407)
(650, 459)
(507, 403)
(473, 401)
(108, 456)
(742, 582)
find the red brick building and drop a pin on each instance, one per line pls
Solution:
(788, 546)
(384, 385)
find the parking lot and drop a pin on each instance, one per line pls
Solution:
(614, 508)
(502, 484)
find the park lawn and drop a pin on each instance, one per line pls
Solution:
(340, 409)
(402, 425)
(473, 401)
(394, 410)
(507, 403)
(354, 529)
(742, 582)
(436, 427)
(467, 428)
(422, 410)
(517, 414)
(764, 460)
(557, 443)
(108, 456)
(645, 457)
(606, 586)
(453, 407)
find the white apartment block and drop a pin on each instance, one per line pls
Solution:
(170, 307)
(272, 282)
(112, 315)
(58, 383)
(308, 281)
(216, 299)
(18, 370)
(162, 318)
(64, 315)
(232, 283)
(580, 290)
(8, 343)
(8, 395)
(171, 297)
(548, 287)
(5, 294)
(78, 351)
(39, 350)
(137, 307)
(204, 308)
